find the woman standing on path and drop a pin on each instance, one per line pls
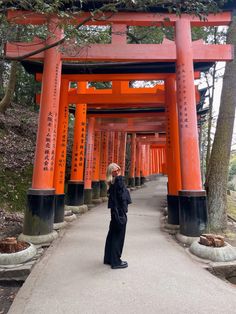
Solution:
(118, 201)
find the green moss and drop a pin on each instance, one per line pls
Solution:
(13, 188)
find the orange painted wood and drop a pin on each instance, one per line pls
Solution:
(132, 128)
(61, 146)
(104, 155)
(89, 155)
(96, 156)
(122, 152)
(128, 18)
(48, 118)
(117, 99)
(116, 147)
(189, 149)
(125, 52)
(113, 77)
(77, 162)
(172, 139)
(111, 147)
(133, 156)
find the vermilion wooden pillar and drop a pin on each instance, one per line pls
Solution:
(60, 160)
(89, 162)
(39, 213)
(193, 208)
(172, 152)
(103, 164)
(75, 192)
(138, 165)
(132, 161)
(116, 147)
(122, 152)
(96, 168)
(111, 145)
(143, 160)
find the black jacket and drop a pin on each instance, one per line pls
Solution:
(118, 195)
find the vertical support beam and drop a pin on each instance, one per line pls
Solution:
(138, 165)
(60, 160)
(103, 164)
(142, 171)
(75, 192)
(89, 163)
(39, 214)
(193, 210)
(96, 168)
(111, 147)
(122, 152)
(116, 147)
(172, 152)
(132, 161)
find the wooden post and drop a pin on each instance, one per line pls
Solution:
(89, 162)
(172, 150)
(75, 192)
(96, 168)
(39, 214)
(60, 160)
(193, 211)
(103, 164)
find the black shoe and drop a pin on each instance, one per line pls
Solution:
(106, 263)
(123, 264)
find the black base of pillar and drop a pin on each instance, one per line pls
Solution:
(103, 189)
(59, 208)
(88, 196)
(39, 213)
(75, 193)
(95, 189)
(137, 181)
(131, 182)
(173, 209)
(143, 180)
(192, 213)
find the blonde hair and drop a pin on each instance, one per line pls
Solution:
(109, 178)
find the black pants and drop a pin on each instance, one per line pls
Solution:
(114, 243)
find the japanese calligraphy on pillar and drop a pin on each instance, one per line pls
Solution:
(168, 137)
(116, 147)
(50, 142)
(62, 157)
(89, 156)
(182, 96)
(77, 166)
(103, 155)
(96, 156)
(110, 147)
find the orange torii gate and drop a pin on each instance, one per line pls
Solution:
(182, 51)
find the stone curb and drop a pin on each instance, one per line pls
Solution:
(70, 218)
(226, 253)
(185, 240)
(18, 257)
(40, 239)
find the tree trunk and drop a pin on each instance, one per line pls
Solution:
(217, 179)
(5, 102)
(208, 153)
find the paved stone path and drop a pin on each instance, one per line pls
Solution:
(161, 277)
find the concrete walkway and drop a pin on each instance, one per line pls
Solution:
(161, 277)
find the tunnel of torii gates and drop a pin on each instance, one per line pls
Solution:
(162, 120)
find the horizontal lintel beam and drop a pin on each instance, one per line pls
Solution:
(128, 18)
(126, 52)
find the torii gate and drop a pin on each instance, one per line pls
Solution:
(110, 97)
(191, 196)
